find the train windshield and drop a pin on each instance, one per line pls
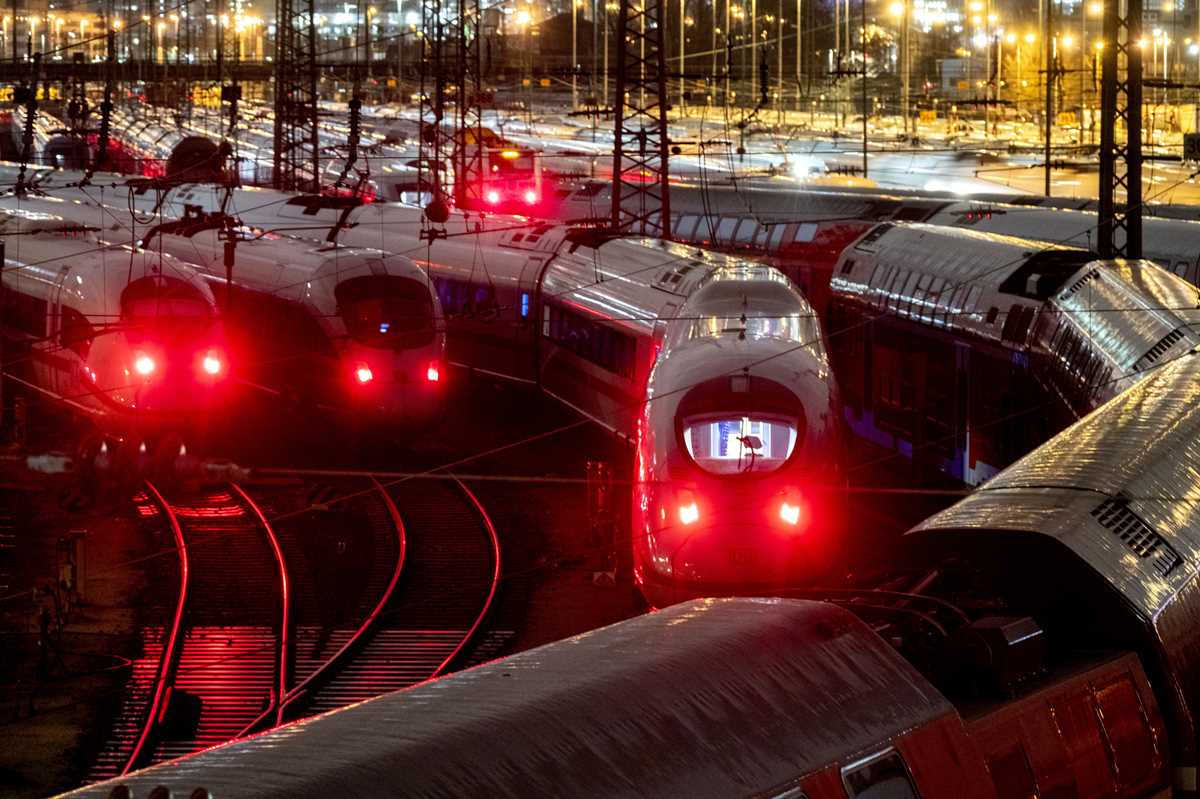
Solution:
(164, 309)
(386, 311)
(739, 444)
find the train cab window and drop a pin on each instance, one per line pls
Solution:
(880, 776)
(75, 332)
(740, 444)
(164, 307)
(1181, 268)
(776, 237)
(387, 311)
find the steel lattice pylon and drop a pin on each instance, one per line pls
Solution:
(451, 87)
(1120, 228)
(641, 201)
(296, 163)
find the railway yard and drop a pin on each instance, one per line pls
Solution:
(542, 399)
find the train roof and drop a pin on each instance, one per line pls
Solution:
(715, 697)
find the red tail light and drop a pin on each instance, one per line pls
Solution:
(794, 513)
(144, 365)
(363, 373)
(531, 197)
(432, 373)
(212, 364)
(689, 511)
(493, 197)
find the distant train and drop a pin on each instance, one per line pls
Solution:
(127, 338)
(715, 368)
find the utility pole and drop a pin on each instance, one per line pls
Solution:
(863, 41)
(799, 48)
(905, 65)
(1050, 75)
(296, 164)
(1120, 229)
(641, 200)
(682, 55)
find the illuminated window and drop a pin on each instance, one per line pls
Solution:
(739, 445)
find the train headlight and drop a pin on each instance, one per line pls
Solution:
(432, 373)
(493, 197)
(363, 374)
(790, 513)
(531, 197)
(144, 365)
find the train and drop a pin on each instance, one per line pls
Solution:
(127, 339)
(714, 368)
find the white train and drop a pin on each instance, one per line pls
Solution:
(354, 333)
(714, 367)
(127, 338)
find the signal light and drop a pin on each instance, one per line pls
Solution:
(432, 374)
(211, 364)
(531, 197)
(493, 197)
(143, 364)
(363, 373)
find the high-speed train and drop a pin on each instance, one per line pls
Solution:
(1037, 638)
(127, 338)
(356, 334)
(713, 366)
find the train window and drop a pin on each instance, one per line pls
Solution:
(1181, 268)
(806, 232)
(739, 445)
(760, 237)
(75, 332)
(460, 298)
(1012, 774)
(686, 229)
(165, 308)
(747, 231)
(909, 292)
(386, 310)
(776, 237)
(725, 229)
(848, 267)
(608, 348)
(880, 776)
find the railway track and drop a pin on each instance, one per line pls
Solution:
(276, 621)
(433, 614)
(222, 659)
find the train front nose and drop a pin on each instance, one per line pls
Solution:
(715, 539)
